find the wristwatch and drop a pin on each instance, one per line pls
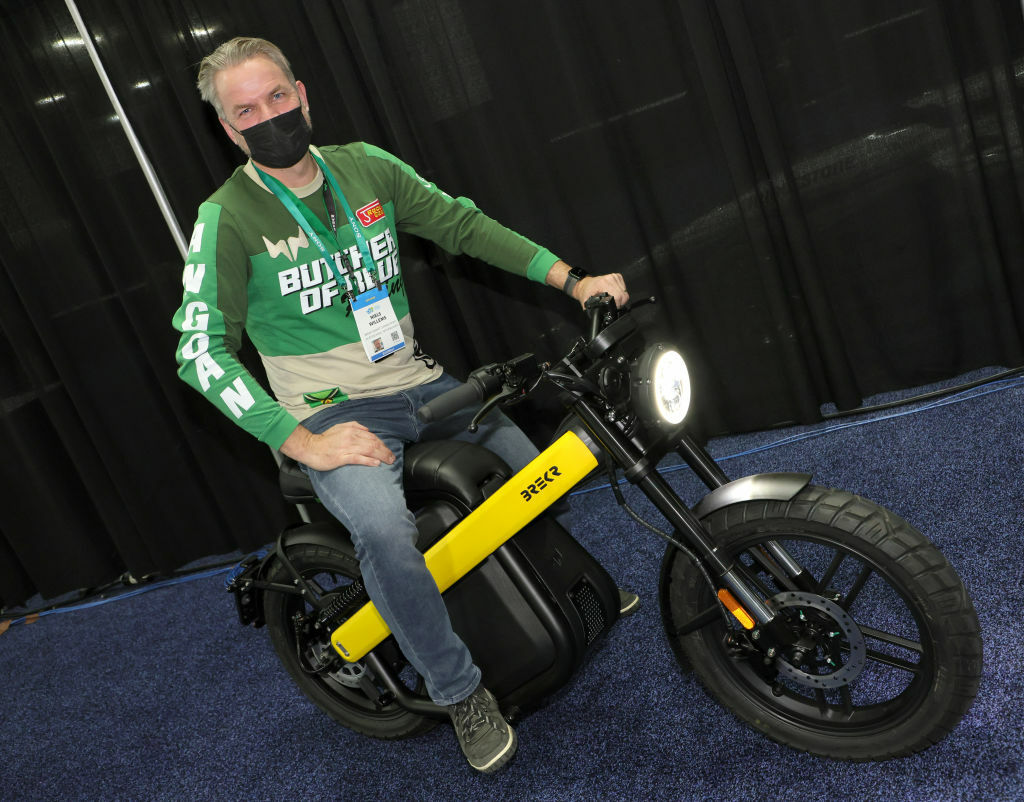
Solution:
(576, 274)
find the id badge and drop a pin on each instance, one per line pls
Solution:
(378, 327)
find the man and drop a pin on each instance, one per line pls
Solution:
(299, 247)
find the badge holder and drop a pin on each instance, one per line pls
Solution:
(379, 329)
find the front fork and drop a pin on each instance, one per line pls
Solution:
(709, 472)
(743, 601)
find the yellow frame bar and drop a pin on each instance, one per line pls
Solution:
(521, 499)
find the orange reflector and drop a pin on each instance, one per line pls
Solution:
(735, 608)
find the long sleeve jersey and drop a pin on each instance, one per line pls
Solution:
(251, 266)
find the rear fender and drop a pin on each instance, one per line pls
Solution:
(757, 487)
(318, 533)
(249, 580)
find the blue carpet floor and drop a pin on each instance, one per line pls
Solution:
(163, 696)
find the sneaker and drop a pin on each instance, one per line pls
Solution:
(487, 740)
(628, 603)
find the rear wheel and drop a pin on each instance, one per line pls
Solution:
(888, 657)
(343, 690)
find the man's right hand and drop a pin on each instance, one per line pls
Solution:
(348, 443)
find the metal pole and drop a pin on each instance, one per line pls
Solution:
(140, 154)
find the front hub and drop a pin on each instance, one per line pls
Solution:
(829, 651)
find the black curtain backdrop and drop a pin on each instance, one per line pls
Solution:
(825, 197)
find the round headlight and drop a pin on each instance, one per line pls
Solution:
(662, 385)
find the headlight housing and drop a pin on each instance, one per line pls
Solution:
(661, 385)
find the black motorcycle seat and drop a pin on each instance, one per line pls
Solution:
(464, 472)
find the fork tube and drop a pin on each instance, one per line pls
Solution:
(782, 557)
(640, 472)
(709, 472)
(702, 463)
(750, 600)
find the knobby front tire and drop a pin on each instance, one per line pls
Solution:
(343, 691)
(919, 641)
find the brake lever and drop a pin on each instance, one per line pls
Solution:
(631, 304)
(488, 405)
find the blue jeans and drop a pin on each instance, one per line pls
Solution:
(370, 503)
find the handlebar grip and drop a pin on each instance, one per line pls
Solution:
(452, 401)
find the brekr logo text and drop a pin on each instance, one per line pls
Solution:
(541, 482)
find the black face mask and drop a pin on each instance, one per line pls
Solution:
(280, 141)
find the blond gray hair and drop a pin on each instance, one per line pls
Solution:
(232, 53)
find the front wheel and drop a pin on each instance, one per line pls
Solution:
(888, 652)
(345, 691)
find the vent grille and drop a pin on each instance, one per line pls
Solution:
(584, 599)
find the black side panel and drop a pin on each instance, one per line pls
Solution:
(584, 592)
(507, 639)
(529, 612)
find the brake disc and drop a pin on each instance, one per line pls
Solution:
(348, 674)
(842, 631)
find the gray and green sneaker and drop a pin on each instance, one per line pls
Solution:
(487, 740)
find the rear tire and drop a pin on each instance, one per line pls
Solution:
(342, 690)
(915, 671)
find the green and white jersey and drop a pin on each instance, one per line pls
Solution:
(250, 266)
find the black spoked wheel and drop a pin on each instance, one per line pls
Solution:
(888, 655)
(343, 690)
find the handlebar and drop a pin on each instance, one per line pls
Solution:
(508, 382)
(598, 308)
(482, 383)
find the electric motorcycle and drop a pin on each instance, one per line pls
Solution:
(816, 616)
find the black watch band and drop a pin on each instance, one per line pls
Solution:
(576, 274)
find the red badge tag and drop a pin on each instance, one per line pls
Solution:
(370, 213)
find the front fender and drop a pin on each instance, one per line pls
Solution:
(759, 486)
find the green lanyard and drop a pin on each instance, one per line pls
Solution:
(311, 224)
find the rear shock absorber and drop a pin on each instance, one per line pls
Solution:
(342, 604)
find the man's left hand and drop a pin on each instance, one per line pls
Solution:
(612, 283)
(588, 286)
